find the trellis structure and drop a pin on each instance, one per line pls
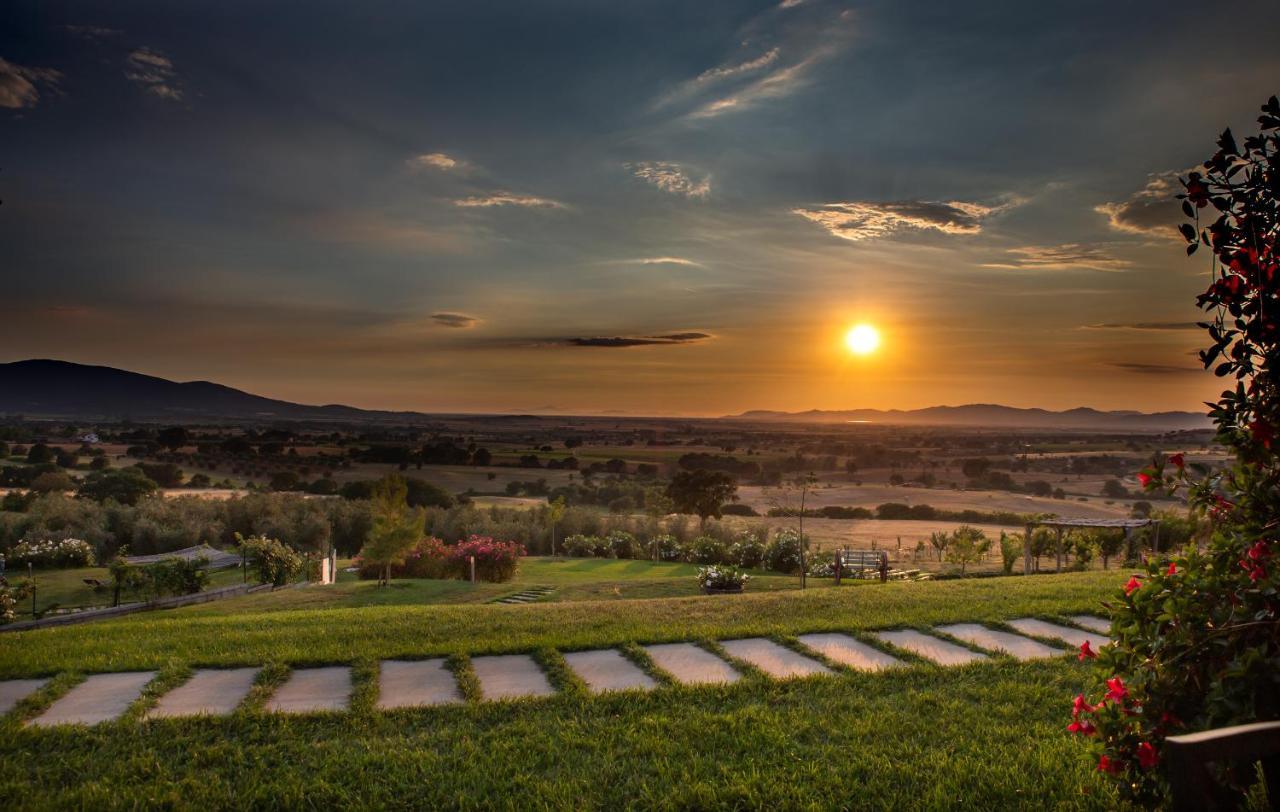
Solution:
(1059, 524)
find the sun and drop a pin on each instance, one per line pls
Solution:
(862, 339)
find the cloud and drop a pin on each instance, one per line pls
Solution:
(669, 339)
(92, 32)
(19, 84)
(508, 199)
(663, 261)
(1155, 369)
(436, 160)
(456, 320)
(725, 71)
(1145, 325)
(865, 220)
(1151, 210)
(671, 177)
(1068, 255)
(153, 72)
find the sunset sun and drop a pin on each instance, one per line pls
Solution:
(862, 339)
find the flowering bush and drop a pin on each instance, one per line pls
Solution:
(621, 544)
(722, 577)
(821, 564)
(427, 559)
(580, 546)
(747, 550)
(708, 550)
(783, 553)
(10, 596)
(669, 547)
(1198, 635)
(276, 563)
(50, 554)
(495, 560)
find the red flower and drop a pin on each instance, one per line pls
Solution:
(1081, 706)
(1116, 690)
(1144, 480)
(1106, 765)
(1259, 551)
(1147, 756)
(1133, 585)
(1178, 460)
(1086, 653)
(1262, 433)
(1084, 728)
(1173, 569)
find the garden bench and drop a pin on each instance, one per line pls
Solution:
(1189, 756)
(95, 583)
(858, 563)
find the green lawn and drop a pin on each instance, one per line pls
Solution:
(67, 588)
(986, 736)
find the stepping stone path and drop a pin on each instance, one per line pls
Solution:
(777, 661)
(529, 595)
(1015, 645)
(843, 649)
(312, 690)
(421, 683)
(214, 692)
(15, 690)
(1075, 637)
(691, 665)
(416, 684)
(100, 698)
(608, 670)
(1093, 624)
(510, 676)
(930, 648)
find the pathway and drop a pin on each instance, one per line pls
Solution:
(421, 683)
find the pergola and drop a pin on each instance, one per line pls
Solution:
(1058, 524)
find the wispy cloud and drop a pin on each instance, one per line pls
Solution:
(509, 199)
(1068, 255)
(1151, 210)
(154, 72)
(1155, 369)
(663, 261)
(20, 85)
(865, 220)
(454, 320)
(1145, 325)
(92, 32)
(670, 339)
(436, 160)
(671, 177)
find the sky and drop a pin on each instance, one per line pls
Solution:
(636, 208)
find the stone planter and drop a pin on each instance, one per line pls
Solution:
(727, 590)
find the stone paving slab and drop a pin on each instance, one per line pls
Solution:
(608, 670)
(416, 683)
(1015, 645)
(310, 690)
(1093, 624)
(930, 648)
(212, 692)
(692, 665)
(1075, 637)
(510, 676)
(777, 661)
(100, 698)
(15, 690)
(846, 650)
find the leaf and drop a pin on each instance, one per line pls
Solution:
(1187, 230)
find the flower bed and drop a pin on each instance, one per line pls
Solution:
(719, 579)
(50, 554)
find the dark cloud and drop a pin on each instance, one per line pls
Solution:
(864, 220)
(1146, 325)
(1151, 210)
(459, 320)
(638, 341)
(20, 85)
(1155, 369)
(91, 32)
(154, 72)
(1054, 257)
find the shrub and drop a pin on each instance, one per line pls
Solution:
(495, 560)
(669, 547)
(783, 552)
(1010, 551)
(428, 558)
(822, 564)
(721, 577)
(9, 598)
(621, 544)
(581, 546)
(708, 550)
(178, 576)
(747, 551)
(50, 554)
(735, 509)
(275, 563)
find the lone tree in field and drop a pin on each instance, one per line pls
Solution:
(1198, 634)
(702, 492)
(396, 526)
(968, 545)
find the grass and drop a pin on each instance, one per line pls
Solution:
(984, 736)
(67, 588)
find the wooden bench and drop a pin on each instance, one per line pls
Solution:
(858, 563)
(1190, 781)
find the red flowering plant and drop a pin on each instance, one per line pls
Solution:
(1197, 636)
(495, 560)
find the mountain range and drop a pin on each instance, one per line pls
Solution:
(61, 389)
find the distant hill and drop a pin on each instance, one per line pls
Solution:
(43, 388)
(988, 414)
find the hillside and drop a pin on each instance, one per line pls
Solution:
(984, 414)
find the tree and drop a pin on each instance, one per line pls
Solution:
(173, 438)
(1114, 489)
(1197, 636)
(396, 527)
(701, 492)
(164, 474)
(39, 454)
(424, 494)
(555, 512)
(968, 546)
(975, 468)
(51, 482)
(125, 485)
(482, 456)
(940, 541)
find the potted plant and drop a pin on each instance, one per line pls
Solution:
(720, 579)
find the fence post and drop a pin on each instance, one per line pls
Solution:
(472, 559)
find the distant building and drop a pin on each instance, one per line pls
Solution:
(90, 438)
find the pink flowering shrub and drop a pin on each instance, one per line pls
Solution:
(429, 558)
(495, 560)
